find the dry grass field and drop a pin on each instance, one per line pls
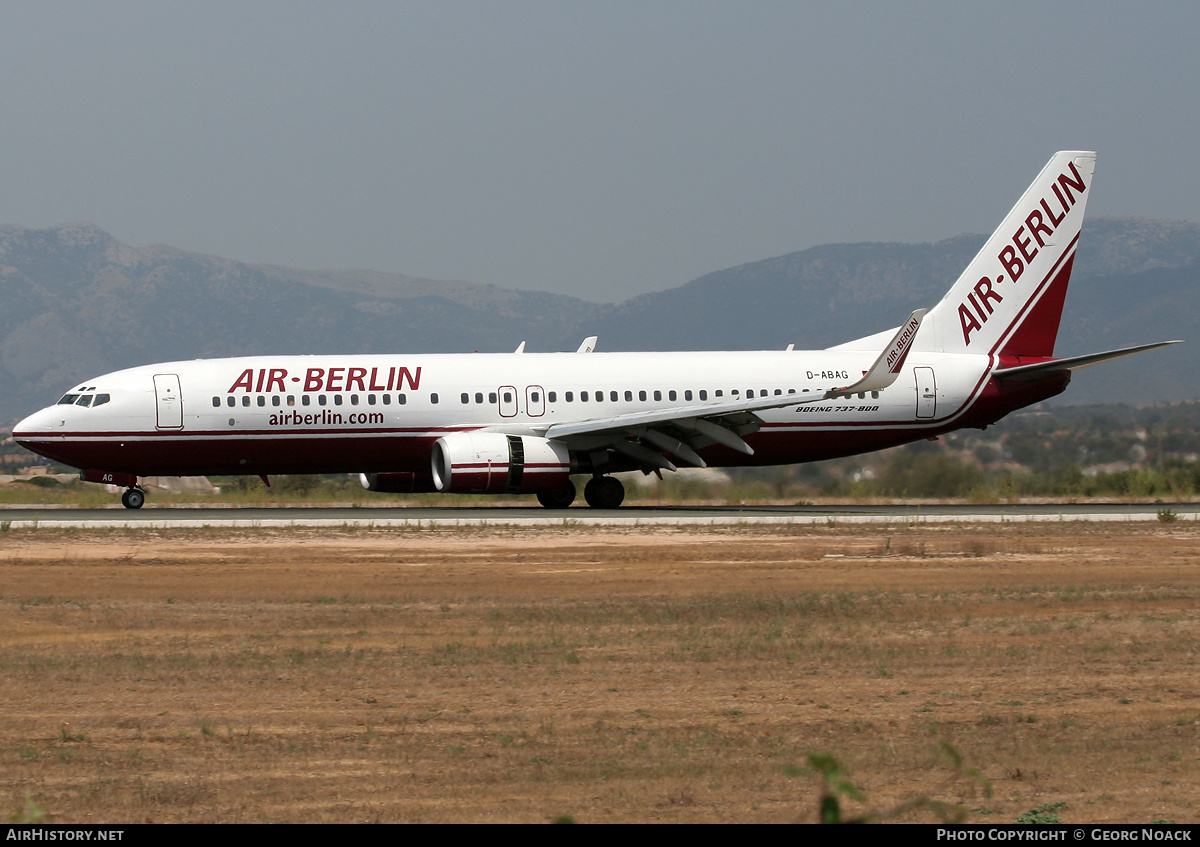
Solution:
(608, 675)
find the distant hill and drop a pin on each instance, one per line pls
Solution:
(77, 303)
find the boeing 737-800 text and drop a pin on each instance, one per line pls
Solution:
(524, 423)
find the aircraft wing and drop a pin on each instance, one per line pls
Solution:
(682, 430)
(1037, 370)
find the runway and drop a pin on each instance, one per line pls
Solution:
(27, 517)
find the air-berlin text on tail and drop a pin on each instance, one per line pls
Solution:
(328, 379)
(1039, 225)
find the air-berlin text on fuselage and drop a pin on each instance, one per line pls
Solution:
(1016, 256)
(328, 379)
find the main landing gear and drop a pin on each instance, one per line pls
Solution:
(133, 498)
(560, 499)
(604, 492)
(601, 492)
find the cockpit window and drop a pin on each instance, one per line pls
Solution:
(84, 400)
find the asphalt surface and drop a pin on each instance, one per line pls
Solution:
(167, 517)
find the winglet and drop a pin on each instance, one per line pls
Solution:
(588, 345)
(887, 367)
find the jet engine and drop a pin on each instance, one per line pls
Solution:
(495, 463)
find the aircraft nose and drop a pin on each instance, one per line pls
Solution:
(39, 421)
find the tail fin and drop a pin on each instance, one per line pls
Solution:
(1009, 299)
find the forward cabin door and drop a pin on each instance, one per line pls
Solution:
(926, 392)
(170, 402)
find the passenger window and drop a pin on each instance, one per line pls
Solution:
(628, 396)
(433, 398)
(305, 400)
(874, 395)
(612, 396)
(779, 391)
(320, 400)
(230, 400)
(583, 396)
(478, 396)
(533, 398)
(387, 399)
(671, 395)
(642, 395)
(337, 399)
(353, 400)
(507, 397)
(703, 395)
(465, 398)
(687, 395)
(401, 399)
(274, 400)
(570, 395)
(718, 393)
(262, 401)
(216, 402)
(552, 396)
(492, 398)
(246, 401)
(370, 399)
(658, 395)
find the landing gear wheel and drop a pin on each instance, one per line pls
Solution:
(132, 498)
(560, 499)
(604, 492)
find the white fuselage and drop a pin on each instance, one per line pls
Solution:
(298, 414)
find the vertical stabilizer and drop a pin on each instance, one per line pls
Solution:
(1009, 299)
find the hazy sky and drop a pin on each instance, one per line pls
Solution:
(598, 149)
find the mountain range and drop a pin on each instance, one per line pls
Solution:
(77, 303)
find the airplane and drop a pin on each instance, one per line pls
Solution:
(525, 423)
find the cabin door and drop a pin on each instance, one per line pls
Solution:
(170, 403)
(926, 392)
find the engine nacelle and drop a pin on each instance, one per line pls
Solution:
(397, 483)
(495, 463)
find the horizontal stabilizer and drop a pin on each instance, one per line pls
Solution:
(1038, 370)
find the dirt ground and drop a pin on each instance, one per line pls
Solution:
(601, 674)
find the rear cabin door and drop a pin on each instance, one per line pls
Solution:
(170, 403)
(926, 392)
